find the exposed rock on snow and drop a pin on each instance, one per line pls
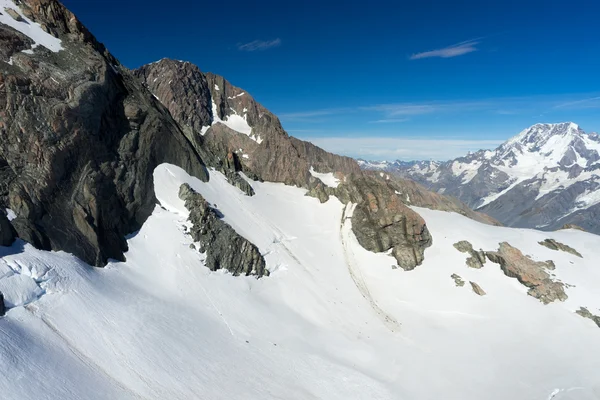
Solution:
(2, 306)
(529, 272)
(554, 245)
(224, 247)
(584, 312)
(476, 259)
(573, 226)
(382, 222)
(457, 280)
(477, 289)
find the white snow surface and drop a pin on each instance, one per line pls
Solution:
(333, 321)
(327, 178)
(10, 214)
(29, 28)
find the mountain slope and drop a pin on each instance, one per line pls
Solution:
(79, 136)
(545, 177)
(332, 321)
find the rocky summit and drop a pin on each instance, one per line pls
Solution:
(545, 177)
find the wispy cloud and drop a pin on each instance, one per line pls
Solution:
(454, 50)
(310, 114)
(390, 148)
(259, 45)
(423, 111)
(399, 109)
(591, 102)
(389, 120)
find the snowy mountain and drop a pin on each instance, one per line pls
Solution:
(545, 177)
(332, 321)
(162, 237)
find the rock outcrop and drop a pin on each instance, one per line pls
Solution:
(476, 259)
(585, 313)
(554, 245)
(2, 306)
(573, 226)
(79, 140)
(529, 272)
(477, 289)
(382, 222)
(7, 232)
(458, 281)
(224, 247)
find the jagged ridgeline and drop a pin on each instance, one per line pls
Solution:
(81, 136)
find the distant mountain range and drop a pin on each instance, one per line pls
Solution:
(545, 177)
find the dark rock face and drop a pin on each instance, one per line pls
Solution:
(476, 259)
(382, 222)
(529, 272)
(2, 306)
(585, 313)
(223, 246)
(554, 245)
(7, 232)
(79, 140)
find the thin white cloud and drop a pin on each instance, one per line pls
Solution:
(389, 148)
(591, 102)
(306, 115)
(259, 45)
(389, 120)
(454, 50)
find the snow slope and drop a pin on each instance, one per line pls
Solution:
(333, 321)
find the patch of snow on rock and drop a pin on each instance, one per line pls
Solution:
(327, 178)
(29, 28)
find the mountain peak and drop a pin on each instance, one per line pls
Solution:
(538, 134)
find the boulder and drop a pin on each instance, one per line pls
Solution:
(477, 289)
(457, 280)
(554, 245)
(476, 259)
(584, 312)
(528, 272)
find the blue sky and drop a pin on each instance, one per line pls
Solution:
(380, 79)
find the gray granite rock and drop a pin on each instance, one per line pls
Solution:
(224, 247)
(554, 245)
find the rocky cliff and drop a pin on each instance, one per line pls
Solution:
(79, 137)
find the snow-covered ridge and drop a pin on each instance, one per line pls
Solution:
(27, 27)
(333, 321)
(544, 167)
